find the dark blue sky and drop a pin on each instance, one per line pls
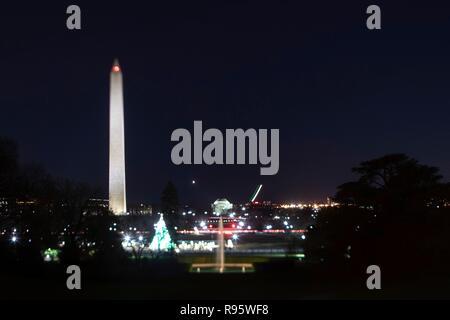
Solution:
(339, 93)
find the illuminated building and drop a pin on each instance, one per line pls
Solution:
(221, 206)
(140, 209)
(117, 195)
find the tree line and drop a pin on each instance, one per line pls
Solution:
(395, 214)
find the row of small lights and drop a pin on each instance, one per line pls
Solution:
(309, 205)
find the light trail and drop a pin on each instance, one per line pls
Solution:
(258, 189)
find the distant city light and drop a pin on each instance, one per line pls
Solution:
(193, 181)
(235, 237)
(127, 238)
(141, 238)
(14, 239)
(303, 237)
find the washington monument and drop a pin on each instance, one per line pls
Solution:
(117, 194)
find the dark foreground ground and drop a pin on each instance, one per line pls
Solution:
(169, 280)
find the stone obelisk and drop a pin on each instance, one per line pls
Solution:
(117, 195)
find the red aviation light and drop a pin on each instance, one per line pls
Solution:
(116, 68)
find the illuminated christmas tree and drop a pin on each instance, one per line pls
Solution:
(161, 240)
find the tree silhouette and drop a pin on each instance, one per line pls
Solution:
(8, 167)
(46, 211)
(393, 213)
(169, 199)
(391, 183)
(170, 207)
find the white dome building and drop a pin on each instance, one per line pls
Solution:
(221, 206)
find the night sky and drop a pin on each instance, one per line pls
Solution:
(339, 93)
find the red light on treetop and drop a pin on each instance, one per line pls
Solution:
(116, 68)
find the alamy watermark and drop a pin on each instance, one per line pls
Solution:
(74, 280)
(73, 21)
(374, 280)
(373, 22)
(230, 149)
